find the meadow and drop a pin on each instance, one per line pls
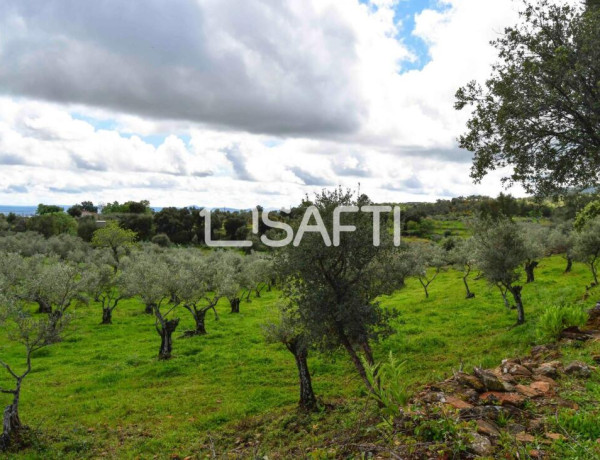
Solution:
(103, 393)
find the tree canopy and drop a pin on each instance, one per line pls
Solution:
(539, 111)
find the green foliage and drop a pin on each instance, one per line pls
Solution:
(48, 209)
(590, 212)
(53, 223)
(499, 250)
(557, 318)
(580, 424)
(115, 238)
(129, 207)
(162, 240)
(587, 246)
(390, 388)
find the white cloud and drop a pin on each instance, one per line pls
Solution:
(257, 102)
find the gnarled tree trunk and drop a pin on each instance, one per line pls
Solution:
(235, 304)
(11, 423)
(106, 315)
(529, 270)
(569, 265)
(149, 309)
(470, 295)
(43, 306)
(516, 293)
(166, 336)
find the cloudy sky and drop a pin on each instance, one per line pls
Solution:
(239, 102)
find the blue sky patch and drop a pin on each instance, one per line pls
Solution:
(405, 11)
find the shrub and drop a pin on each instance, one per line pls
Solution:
(389, 386)
(557, 318)
(162, 240)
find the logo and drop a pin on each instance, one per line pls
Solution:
(311, 213)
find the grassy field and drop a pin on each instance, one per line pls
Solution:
(102, 392)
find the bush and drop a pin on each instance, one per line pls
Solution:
(557, 318)
(162, 240)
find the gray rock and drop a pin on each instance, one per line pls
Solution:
(481, 445)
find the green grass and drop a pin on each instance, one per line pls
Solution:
(103, 392)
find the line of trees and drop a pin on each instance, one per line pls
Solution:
(331, 294)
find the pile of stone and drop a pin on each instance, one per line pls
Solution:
(502, 399)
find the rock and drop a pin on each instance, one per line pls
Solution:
(503, 399)
(489, 380)
(578, 369)
(457, 403)
(524, 437)
(488, 428)
(515, 428)
(543, 378)
(574, 333)
(555, 436)
(544, 352)
(549, 369)
(431, 397)
(596, 358)
(481, 445)
(537, 424)
(517, 370)
(469, 381)
(540, 387)
(527, 391)
(566, 403)
(499, 372)
(489, 413)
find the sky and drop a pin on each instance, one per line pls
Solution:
(238, 103)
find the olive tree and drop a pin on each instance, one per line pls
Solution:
(462, 258)
(108, 288)
(428, 260)
(147, 275)
(336, 287)
(258, 272)
(287, 330)
(587, 246)
(500, 251)
(561, 241)
(201, 282)
(33, 334)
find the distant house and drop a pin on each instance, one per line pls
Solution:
(100, 223)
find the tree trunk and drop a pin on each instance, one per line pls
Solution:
(594, 272)
(11, 423)
(235, 305)
(504, 297)
(529, 269)
(149, 309)
(44, 307)
(569, 265)
(166, 336)
(470, 295)
(516, 293)
(308, 401)
(356, 360)
(424, 288)
(106, 316)
(200, 319)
